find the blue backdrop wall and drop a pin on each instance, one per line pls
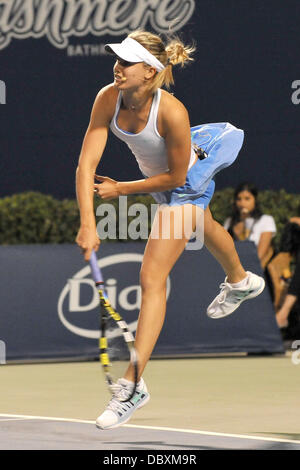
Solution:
(52, 65)
(53, 311)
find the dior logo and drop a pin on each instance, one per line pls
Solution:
(124, 294)
(58, 20)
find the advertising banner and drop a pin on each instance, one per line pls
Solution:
(49, 305)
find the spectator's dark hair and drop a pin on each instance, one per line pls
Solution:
(235, 215)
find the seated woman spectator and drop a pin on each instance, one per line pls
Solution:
(248, 223)
(290, 242)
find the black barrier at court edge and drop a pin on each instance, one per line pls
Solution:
(53, 63)
(49, 306)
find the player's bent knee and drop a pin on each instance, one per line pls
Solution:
(152, 279)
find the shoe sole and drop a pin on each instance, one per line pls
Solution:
(126, 420)
(250, 296)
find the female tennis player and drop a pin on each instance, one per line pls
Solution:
(156, 127)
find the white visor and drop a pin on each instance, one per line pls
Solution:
(132, 51)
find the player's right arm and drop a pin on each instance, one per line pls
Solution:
(93, 145)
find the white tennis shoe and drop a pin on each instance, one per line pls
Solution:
(230, 298)
(119, 412)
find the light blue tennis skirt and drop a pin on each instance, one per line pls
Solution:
(189, 193)
(221, 143)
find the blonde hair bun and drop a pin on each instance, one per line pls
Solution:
(178, 53)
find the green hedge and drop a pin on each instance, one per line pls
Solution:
(33, 217)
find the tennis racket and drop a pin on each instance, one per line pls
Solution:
(116, 342)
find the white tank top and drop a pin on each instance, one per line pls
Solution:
(148, 147)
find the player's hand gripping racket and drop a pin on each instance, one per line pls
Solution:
(116, 342)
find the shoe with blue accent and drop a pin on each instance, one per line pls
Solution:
(119, 412)
(230, 298)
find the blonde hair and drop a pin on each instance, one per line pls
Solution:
(173, 53)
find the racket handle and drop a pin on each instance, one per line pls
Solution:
(96, 273)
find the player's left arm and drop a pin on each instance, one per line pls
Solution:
(178, 142)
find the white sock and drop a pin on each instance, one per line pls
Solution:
(127, 382)
(239, 284)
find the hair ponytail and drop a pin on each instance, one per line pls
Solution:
(178, 53)
(174, 53)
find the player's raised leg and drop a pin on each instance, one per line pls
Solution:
(239, 285)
